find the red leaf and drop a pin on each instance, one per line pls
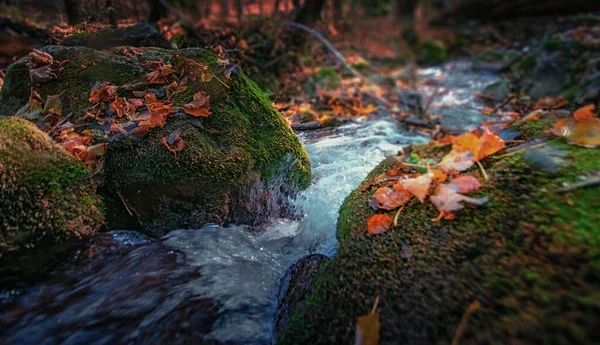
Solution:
(173, 141)
(200, 106)
(584, 113)
(379, 223)
(466, 183)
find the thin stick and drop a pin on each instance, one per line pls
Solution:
(397, 214)
(463, 322)
(526, 148)
(416, 165)
(375, 304)
(214, 75)
(482, 170)
(124, 204)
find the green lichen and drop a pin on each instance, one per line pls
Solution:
(47, 199)
(530, 256)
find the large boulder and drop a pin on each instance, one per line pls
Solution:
(529, 257)
(47, 198)
(139, 35)
(239, 164)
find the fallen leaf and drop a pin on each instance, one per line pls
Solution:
(42, 75)
(388, 198)
(174, 88)
(200, 106)
(448, 199)
(533, 116)
(122, 107)
(379, 223)
(106, 93)
(53, 105)
(466, 183)
(159, 72)
(173, 141)
(41, 56)
(457, 160)
(439, 175)
(481, 147)
(150, 97)
(367, 328)
(32, 110)
(584, 113)
(418, 186)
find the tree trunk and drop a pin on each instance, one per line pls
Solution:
(72, 9)
(112, 13)
(405, 10)
(240, 10)
(157, 11)
(495, 9)
(310, 12)
(337, 10)
(224, 9)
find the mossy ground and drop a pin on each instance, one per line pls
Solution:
(530, 256)
(47, 198)
(243, 142)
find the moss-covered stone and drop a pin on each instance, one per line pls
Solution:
(236, 163)
(47, 198)
(432, 53)
(530, 256)
(139, 35)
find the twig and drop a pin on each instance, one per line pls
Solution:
(397, 214)
(214, 75)
(124, 203)
(485, 175)
(375, 305)
(463, 322)
(340, 57)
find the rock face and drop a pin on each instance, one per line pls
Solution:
(529, 256)
(47, 198)
(139, 35)
(295, 287)
(238, 165)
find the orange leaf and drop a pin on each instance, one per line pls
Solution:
(447, 199)
(41, 56)
(106, 93)
(367, 329)
(122, 107)
(439, 175)
(173, 141)
(457, 160)
(584, 113)
(379, 223)
(584, 133)
(387, 198)
(488, 144)
(174, 88)
(160, 72)
(200, 106)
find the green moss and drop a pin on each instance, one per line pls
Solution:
(432, 53)
(527, 63)
(328, 78)
(47, 199)
(530, 256)
(553, 44)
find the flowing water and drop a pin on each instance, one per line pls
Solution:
(213, 283)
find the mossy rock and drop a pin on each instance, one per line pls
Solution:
(139, 35)
(432, 53)
(238, 165)
(47, 199)
(530, 257)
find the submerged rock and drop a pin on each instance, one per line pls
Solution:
(295, 287)
(47, 199)
(529, 257)
(238, 165)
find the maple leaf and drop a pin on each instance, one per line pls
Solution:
(106, 93)
(173, 141)
(388, 198)
(367, 327)
(379, 223)
(122, 107)
(439, 175)
(158, 113)
(150, 97)
(447, 199)
(159, 72)
(175, 88)
(200, 106)
(481, 147)
(418, 186)
(32, 110)
(584, 113)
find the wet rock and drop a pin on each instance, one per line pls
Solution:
(499, 89)
(118, 289)
(47, 199)
(549, 76)
(493, 60)
(139, 35)
(295, 286)
(459, 118)
(239, 165)
(528, 257)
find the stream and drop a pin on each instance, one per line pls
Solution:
(218, 285)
